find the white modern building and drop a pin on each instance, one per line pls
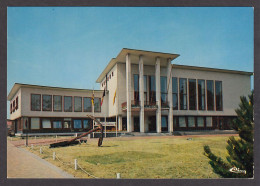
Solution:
(144, 92)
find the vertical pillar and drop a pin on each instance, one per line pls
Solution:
(158, 94)
(128, 92)
(169, 83)
(141, 92)
(120, 123)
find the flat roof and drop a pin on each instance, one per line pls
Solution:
(211, 69)
(148, 58)
(17, 86)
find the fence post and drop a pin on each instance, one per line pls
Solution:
(76, 164)
(118, 176)
(54, 156)
(40, 150)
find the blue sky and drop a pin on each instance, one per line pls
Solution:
(70, 47)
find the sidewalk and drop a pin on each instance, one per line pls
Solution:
(23, 164)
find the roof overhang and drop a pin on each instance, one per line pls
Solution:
(149, 58)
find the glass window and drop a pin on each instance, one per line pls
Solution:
(175, 93)
(97, 105)
(152, 89)
(77, 104)
(16, 105)
(175, 118)
(182, 122)
(35, 102)
(46, 102)
(67, 104)
(57, 124)
(46, 123)
(145, 88)
(192, 94)
(136, 87)
(35, 123)
(191, 121)
(57, 103)
(164, 123)
(218, 89)
(11, 108)
(209, 121)
(87, 105)
(200, 121)
(86, 124)
(210, 95)
(163, 89)
(67, 123)
(183, 94)
(201, 94)
(77, 124)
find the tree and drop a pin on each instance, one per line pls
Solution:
(240, 150)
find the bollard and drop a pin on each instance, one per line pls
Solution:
(88, 136)
(40, 150)
(118, 176)
(76, 164)
(32, 146)
(54, 156)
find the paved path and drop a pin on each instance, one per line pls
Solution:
(23, 164)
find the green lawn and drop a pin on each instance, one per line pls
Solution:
(139, 158)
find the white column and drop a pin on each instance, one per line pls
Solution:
(158, 94)
(128, 92)
(120, 123)
(169, 83)
(141, 92)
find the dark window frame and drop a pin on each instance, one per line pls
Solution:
(53, 103)
(189, 94)
(163, 93)
(200, 108)
(80, 103)
(175, 93)
(221, 99)
(136, 92)
(42, 102)
(213, 91)
(90, 104)
(183, 94)
(31, 102)
(71, 103)
(16, 100)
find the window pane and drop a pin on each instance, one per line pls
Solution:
(77, 104)
(57, 103)
(25, 123)
(87, 105)
(97, 106)
(174, 85)
(210, 95)
(77, 124)
(175, 93)
(67, 104)
(35, 102)
(86, 124)
(218, 88)
(191, 121)
(57, 124)
(145, 83)
(164, 121)
(201, 92)
(200, 121)
(46, 123)
(183, 94)
(175, 101)
(192, 94)
(136, 82)
(46, 102)
(182, 122)
(152, 98)
(209, 121)
(67, 122)
(163, 89)
(35, 123)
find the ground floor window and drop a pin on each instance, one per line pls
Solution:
(67, 123)
(46, 123)
(77, 124)
(57, 124)
(191, 121)
(86, 124)
(209, 121)
(164, 123)
(182, 121)
(35, 123)
(200, 121)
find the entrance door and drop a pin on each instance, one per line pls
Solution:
(136, 124)
(152, 123)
